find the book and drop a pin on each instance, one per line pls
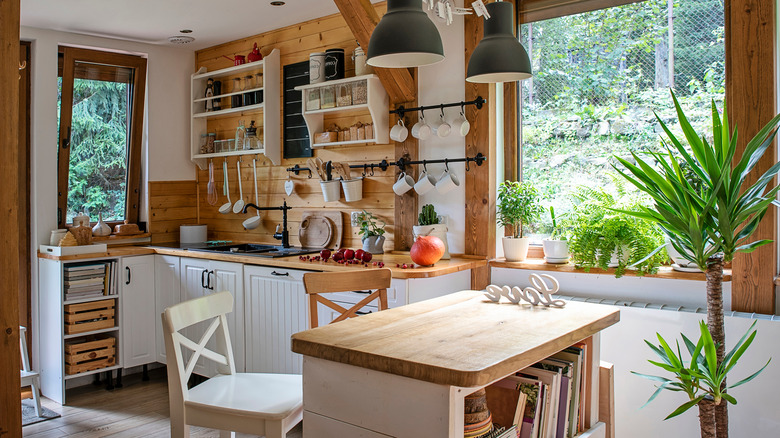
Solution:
(553, 380)
(506, 401)
(531, 389)
(564, 369)
(574, 356)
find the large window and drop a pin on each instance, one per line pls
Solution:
(598, 79)
(101, 121)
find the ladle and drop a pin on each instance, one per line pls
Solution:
(238, 207)
(254, 222)
(225, 208)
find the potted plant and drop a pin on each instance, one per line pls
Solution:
(428, 225)
(517, 205)
(556, 247)
(601, 237)
(708, 224)
(373, 233)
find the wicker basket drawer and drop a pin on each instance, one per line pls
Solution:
(86, 317)
(90, 353)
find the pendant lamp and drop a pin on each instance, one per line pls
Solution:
(499, 57)
(405, 37)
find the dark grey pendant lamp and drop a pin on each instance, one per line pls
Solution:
(405, 37)
(499, 57)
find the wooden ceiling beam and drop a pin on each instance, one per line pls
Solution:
(362, 18)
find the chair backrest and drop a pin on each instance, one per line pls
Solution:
(176, 318)
(319, 283)
(23, 349)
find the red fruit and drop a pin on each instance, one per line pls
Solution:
(427, 250)
(338, 257)
(359, 254)
(349, 254)
(366, 256)
(325, 254)
(341, 250)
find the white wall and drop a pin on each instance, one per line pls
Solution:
(166, 130)
(444, 83)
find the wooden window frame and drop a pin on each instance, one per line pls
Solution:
(136, 113)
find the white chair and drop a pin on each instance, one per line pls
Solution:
(258, 404)
(29, 377)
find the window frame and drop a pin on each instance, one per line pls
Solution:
(136, 114)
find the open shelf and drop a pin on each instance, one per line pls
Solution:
(341, 143)
(220, 96)
(93, 332)
(87, 373)
(338, 109)
(87, 300)
(257, 65)
(228, 111)
(230, 154)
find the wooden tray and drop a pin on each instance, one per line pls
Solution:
(86, 317)
(91, 355)
(335, 219)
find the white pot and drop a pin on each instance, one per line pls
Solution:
(682, 263)
(555, 249)
(625, 254)
(438, 230)
(515, 248)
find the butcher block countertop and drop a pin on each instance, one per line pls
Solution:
(462, 339)
(442, 267)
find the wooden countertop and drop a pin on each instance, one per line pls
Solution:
(541, 265)
(461, 339)
(443, 267)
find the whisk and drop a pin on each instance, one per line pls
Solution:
(212, 187)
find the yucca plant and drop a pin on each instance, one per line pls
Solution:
(711, 219)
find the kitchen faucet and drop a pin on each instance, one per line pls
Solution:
(284, 235)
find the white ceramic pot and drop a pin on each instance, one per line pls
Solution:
(680, 263)
(515, 248)
(374, 244)
(555, 250)
(625, 254)
(438, 230)
(101, 228)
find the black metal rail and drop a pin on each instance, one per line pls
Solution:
(478, 102)
(402, 164)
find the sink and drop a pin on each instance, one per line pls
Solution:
(258, 250)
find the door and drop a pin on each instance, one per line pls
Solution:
(230, 277)
(275, 308)
(167, 285)
(137, 301)
(194, 284)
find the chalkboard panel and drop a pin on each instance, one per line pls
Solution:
(296, 136)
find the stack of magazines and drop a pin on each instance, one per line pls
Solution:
(87, 280)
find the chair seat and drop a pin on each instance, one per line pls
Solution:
(269, 396)
(28, 374)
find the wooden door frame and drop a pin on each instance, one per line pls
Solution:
(25, 262)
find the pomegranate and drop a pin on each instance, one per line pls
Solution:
(325, 254)
(349, 254)
(427, 250)
(338, 257)
(359, 254)
(366, 257)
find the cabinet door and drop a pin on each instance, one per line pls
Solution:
(167, 286)
(137, 326)
(275, 308)
(193, 282)
(230, 277)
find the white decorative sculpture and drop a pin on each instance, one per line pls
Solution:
(540, 293)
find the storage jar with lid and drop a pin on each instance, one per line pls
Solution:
(313, 99)
(344, 95)
(359, 57)
(327, 97)
(316, 67)
(359, 92)
(334, 64)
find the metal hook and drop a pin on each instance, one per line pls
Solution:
(467, 163)
(372, 170)
(422, 115)
(425, 166)
(462, 108)
(446, 165)
(441, 108)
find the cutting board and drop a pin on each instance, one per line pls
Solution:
(321, 229)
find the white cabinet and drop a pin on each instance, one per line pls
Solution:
(275, 305)
(137, 307)
(167, 286)
(201, 277)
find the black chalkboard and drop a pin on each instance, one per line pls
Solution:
(296, 137)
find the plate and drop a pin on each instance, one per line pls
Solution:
(679, 268)
(556, 260)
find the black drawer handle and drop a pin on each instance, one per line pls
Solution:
(285, 274)
(358, 312)
(128, 274)
(364, 292)
(208, 280)
(203, 279)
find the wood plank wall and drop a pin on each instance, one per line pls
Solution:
(295, 43)
(171, 203)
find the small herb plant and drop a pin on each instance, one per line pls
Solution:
(558, 232)
(428, 216)
(518, 204)
(597, 232)
(369, 225)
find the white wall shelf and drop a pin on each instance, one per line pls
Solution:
(270, 109)
(93, 332)
(377, 105)
(87, 300)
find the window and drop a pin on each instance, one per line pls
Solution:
(101, 104)
(599, 77)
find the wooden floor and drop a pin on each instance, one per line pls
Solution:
(139, 409)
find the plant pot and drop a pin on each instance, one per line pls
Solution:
(625, 254)
(680, 263)
(555, 251)
(438, 230)
(374, 244)
(515, 248)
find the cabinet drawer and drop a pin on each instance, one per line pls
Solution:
(275, 273)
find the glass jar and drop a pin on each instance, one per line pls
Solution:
(327, 97)
(313, 99)
(344, 95)
(251, 141)
(204, 141)
(249, 98)
(259, 84)
(236, 100)
(359, 93)
(240, 136)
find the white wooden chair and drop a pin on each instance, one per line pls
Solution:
(258, 404)
(318, 284)
(29, 377)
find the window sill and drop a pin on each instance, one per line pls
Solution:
(539, 265)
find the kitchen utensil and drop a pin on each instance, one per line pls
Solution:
(323, 170)
(424, 183)
(346, 171)
(442, 128)
(335, 218)
(460, 125)
(254, 55)
(331, 190)
(225, 208)
(399, 132)
(254, 222)
(315, 232)
(238, 207)
(421, 130)
(315, 167)
(447, 181)
(238, 60)
(353, 189)
(212, 186)
(404, 184)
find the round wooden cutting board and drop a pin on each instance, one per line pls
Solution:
(315, 232)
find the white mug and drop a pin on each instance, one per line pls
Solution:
(421, 130)
(399, 132)
(447, 182)
(442, 129)
(424, 183)
(404, 184)
(460, 125)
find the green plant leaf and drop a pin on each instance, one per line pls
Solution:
(685, 406)
(751, 377)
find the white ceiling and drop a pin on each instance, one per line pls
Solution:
(153, 21)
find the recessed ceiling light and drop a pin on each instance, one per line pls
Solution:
(180, 39)
(277, 3)
(186, 31)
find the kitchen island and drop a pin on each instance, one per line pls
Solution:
(405, 371)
